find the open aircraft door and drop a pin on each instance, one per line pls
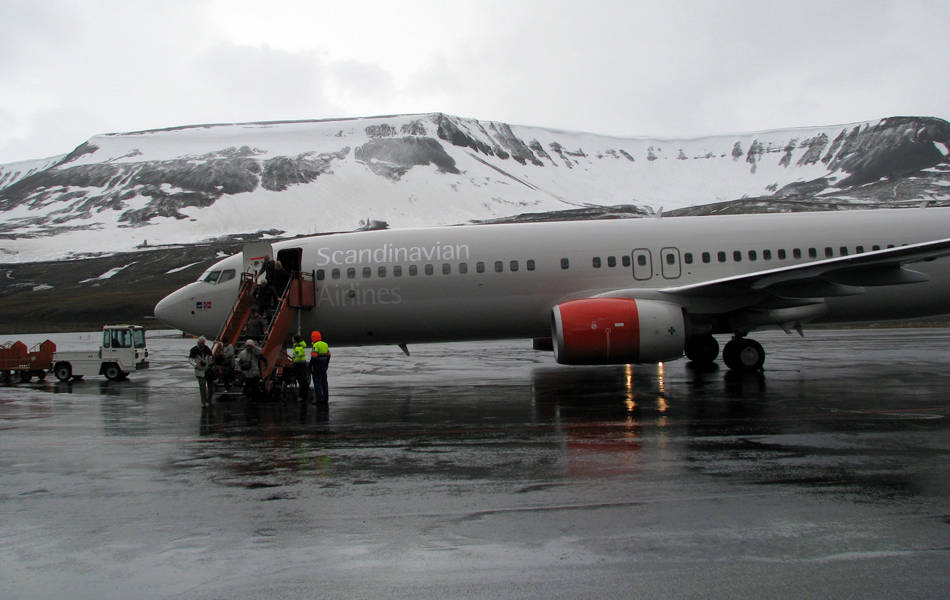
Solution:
(254, 255)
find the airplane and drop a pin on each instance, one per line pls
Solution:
(603, 292)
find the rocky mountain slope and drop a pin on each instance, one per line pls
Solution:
(117, 192)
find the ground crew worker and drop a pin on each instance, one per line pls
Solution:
(300, 368)
(319, 362)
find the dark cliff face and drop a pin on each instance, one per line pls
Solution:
(896, 160)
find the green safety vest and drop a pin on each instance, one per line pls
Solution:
(300, 352)
(320, 347)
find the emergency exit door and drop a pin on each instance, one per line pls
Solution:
(670, 262)
(642, 264)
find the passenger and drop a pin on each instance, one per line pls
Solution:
(200, 358)
(266, 296)
(301, 371)
(254, 328)
(224, 363)
(319, 363)
(278, 280)
(249, 361)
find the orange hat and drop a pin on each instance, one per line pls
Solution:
(315, 336)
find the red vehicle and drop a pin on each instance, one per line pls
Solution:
(16, 358)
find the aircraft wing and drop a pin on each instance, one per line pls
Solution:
(840, 276)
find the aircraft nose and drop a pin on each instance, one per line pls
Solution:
(171, 310)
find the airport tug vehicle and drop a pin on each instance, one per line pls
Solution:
(123, 350)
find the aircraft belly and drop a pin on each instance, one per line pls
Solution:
(892, 302)
(434, 319)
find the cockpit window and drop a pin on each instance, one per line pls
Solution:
(210, 277)
(226, 275)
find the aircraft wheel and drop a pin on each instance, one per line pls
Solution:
(743, 354)
(112, 372)
(702, 349)
(25, 376)
(63, 372)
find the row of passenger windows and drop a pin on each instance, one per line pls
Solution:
(736, 256)
(780, 254)
(428, 269)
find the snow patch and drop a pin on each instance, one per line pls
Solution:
(108, 274)
(177, 269)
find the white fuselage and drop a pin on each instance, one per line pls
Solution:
(476, 282)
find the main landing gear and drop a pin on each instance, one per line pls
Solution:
(739, 353)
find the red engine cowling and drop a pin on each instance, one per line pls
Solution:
(607, 331)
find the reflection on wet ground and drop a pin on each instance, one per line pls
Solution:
(485, 470)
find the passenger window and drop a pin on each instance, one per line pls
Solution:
(875, 247)
(859, 250)
(625, 259)
(565, 263)
(706, 257)
(890, 245)
(397, 271)
(446, 269)
(812, 253)
(781, 254)
(766, 254)
(530, 264)
(321, 275)
(381, 272)
(335, 273)
(513, 266)
(463, 268)
(797, 253)
(737, 256)
(611, 261)
(480, 267)
(499, 266)
(596, 262)
(227, 275)
(429, 269)
(413, 270)
(351, 273)
(829, 252)
(721, 256)
(641, 260)
(688, 258)
(367, 272)
(752, 255)
(843, 251)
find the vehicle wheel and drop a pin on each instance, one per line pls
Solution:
(112, 372)
(63, 371)
(25, 376)
(702, 349)
(743, 354)
(41, 375)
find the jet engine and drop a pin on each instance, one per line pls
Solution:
(606, 331)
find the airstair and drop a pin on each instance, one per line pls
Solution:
(297, 295)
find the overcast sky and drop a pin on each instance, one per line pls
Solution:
(73, 69)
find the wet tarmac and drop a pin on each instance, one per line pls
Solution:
(484, 470)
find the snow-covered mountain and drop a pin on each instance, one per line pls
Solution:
(186, 184)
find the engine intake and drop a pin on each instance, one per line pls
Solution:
(609, 331)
